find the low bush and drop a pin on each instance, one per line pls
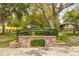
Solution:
(63, 38)
(43, 32)
(38, 42)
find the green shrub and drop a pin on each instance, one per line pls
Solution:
(23, 32)
(38, 42)
(63, 38)
(43, 32)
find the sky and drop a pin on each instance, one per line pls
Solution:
(67, 10)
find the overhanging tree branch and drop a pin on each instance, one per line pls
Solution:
(44, 13)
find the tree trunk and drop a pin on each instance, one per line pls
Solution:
(3, 27)
(74, 31)
(54, 15)
(47, 20)
(54, 22)
(78, 31)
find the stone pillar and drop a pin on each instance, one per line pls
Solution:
(49, 41)
(24, 41)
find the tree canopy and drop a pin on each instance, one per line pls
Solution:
(23, 14)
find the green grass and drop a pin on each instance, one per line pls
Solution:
(71, 34)
(65, 38)
(9, 35)
(5, 43)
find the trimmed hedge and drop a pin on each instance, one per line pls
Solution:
(37, 43)
(43, 32)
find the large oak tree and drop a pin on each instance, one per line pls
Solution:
(56, 8)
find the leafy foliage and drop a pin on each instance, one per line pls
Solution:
(22, 14)
(72, 17)
(44, 32)
(38, 42)
(63, 38)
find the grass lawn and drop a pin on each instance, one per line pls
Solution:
(65, 37)
(8, 35)
(5, 43)
(71, 34)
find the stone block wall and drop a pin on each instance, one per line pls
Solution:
(25, 41)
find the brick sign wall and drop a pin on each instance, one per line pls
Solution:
(25, 41)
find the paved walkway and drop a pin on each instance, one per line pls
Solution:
(52, 51)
